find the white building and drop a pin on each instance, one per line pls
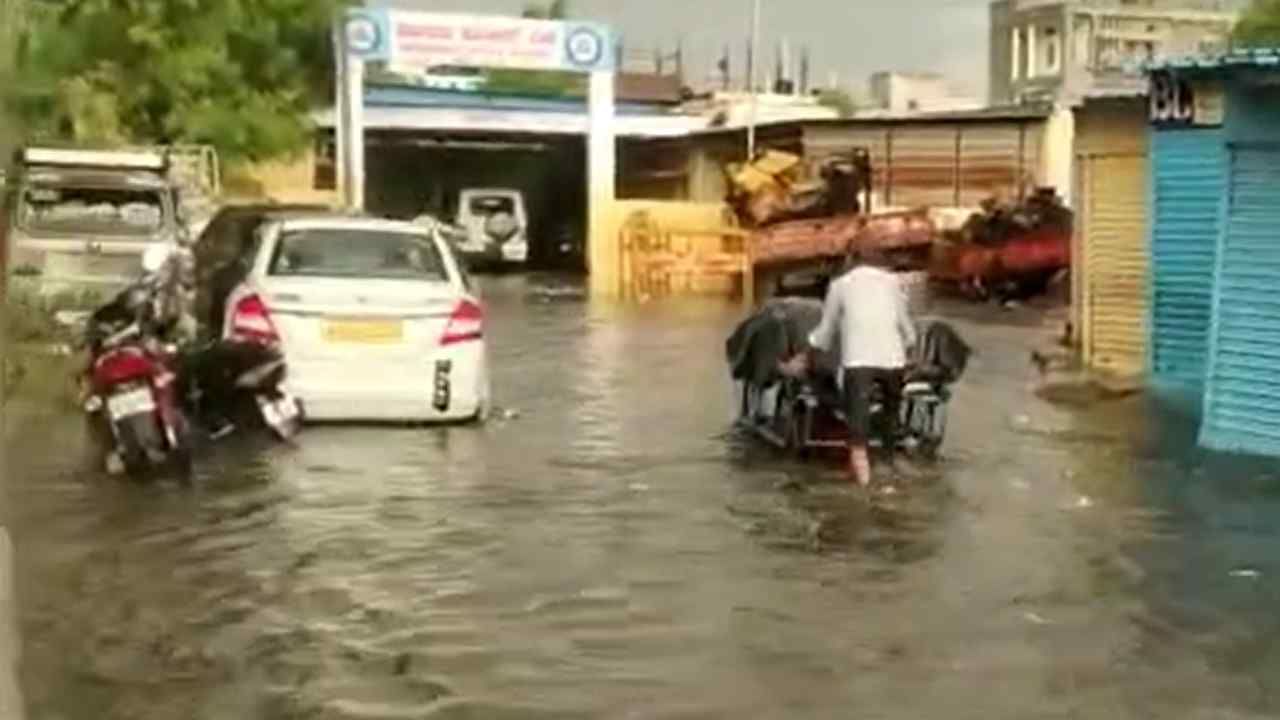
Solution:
(901, 93)
(1063, 50)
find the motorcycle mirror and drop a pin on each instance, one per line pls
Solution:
(154, 258)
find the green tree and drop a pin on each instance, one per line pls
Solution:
(553, 10)
(537, 83)
(238, 74)
(1259, 26)
(12, 19)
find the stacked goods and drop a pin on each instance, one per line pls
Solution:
(777, 187)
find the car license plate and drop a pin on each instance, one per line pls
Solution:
(515, 253)
(364, 332)
(128, 404)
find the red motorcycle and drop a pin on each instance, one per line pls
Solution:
(132, 399)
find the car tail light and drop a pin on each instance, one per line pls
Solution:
(251, 321)
(466, 323)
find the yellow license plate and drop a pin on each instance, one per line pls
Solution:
(367, 332)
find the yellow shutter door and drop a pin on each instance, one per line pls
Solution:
(1116, 263)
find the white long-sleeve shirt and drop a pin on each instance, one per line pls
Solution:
(868, 306)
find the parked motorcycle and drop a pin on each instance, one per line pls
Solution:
(239, 382)
(132, 397)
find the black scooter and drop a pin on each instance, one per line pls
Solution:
(236, 383)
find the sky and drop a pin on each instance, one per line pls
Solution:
(853, 38)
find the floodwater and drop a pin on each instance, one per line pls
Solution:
(607, 549)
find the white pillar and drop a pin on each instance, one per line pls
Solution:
(348, 118)
(351, 148)
(603, 255)
(1015, 42)
(10, 695)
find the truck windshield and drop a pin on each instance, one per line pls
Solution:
(122, 212)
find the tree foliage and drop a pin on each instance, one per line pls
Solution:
(553, 10)
(1259, 26)
(238, 74)
(544, 83)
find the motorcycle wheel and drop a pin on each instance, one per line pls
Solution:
(799, 425)
(139, 439)
(932, 431)
(182, 455)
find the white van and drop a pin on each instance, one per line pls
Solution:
(496, 224)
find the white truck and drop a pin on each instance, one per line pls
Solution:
(78, 221)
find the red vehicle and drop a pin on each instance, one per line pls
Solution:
(1028, 260)
(133, 400)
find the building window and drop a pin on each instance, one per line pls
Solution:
(1080, 35)
(1052, 52)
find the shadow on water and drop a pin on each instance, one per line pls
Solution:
(608, 549)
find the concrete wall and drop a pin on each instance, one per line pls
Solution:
(999, 53)
(289, 180)
(1112, 125)
(1056, 153)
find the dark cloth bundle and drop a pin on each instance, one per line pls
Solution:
(775, 332)
(781, 328)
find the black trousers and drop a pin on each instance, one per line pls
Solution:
(860, 390)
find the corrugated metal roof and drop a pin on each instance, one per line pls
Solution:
(1265, 58)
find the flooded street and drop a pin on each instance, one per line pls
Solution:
(606, 548)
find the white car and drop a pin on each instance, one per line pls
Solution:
(496, 226)
(378, 320)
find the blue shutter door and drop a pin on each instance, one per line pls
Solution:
(1242, 397)
(1188, 180)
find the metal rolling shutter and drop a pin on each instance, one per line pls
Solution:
(1242, 402)
(990, 164)
(1188, 169)
(1116, 265)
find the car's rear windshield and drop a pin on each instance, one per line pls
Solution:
(112, 211)
(344, 253)
(492, 205)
